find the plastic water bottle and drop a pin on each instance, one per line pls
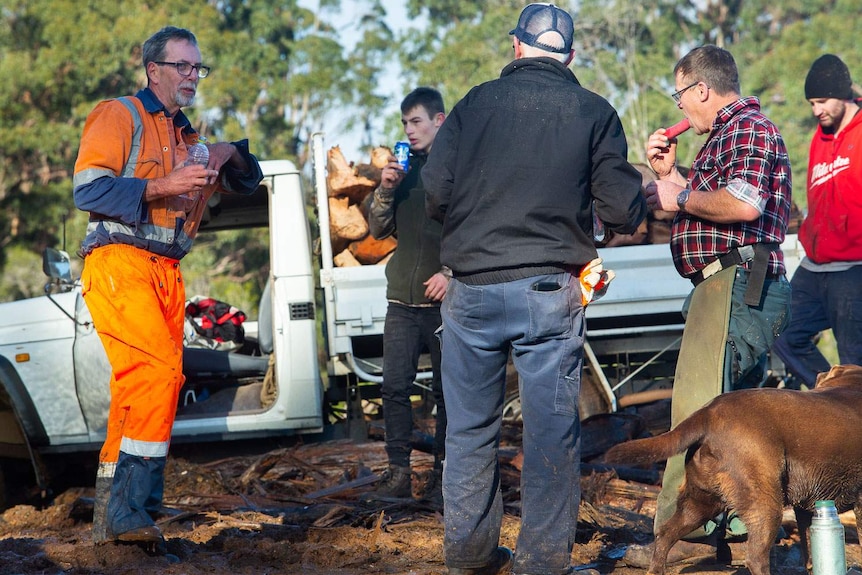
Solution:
(827, 540)
(198, 154)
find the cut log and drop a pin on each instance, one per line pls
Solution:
(345, 220)
(380, 156)
(340, 244)
(345, 260)
(369, 172)
(370, 251)
(342, 179)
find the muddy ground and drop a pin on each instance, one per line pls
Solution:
(292, 509)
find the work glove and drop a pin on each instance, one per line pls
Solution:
(594, 280)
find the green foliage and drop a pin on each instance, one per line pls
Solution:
(24, 277)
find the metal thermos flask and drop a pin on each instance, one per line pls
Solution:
(827, 540)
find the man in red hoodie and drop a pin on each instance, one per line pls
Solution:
(826, 286)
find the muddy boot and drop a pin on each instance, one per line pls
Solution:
(135, 491)
(433, 494)
(501, 562)
(395, 484)
(100, 506)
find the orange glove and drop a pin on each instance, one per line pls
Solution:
(594, 281)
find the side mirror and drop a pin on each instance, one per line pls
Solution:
(56, 265)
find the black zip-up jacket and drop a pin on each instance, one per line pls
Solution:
(417, 256)
(514, 170)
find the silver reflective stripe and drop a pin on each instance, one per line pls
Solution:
(149, 232)
(137, 129)
(106, 469)
(90, 175)
(144, 448)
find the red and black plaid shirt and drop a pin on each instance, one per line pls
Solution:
(744, 147)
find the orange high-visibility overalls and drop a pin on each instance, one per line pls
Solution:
(137, 300)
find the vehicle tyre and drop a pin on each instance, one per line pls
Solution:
(590, 402)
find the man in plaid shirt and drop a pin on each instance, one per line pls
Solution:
(731, 217)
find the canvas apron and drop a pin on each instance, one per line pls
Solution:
(699, 375)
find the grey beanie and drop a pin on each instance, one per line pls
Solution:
(828, 78)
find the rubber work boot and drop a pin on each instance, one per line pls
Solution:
(135, 492)
(433, 494)
(501, 562)
(100, 509)
(395, 484)
(681, 552)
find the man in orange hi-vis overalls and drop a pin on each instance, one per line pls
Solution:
(145, 207)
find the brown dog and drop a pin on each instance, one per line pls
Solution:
(758, 450)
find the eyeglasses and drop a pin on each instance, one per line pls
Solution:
(677, 96)
(185, 69)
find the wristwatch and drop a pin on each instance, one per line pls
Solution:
(682, 198)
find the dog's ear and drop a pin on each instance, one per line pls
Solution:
(839, 376)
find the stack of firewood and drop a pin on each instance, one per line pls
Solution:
(348, 187)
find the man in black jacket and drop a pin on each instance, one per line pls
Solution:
(416, 283)
(513, 173)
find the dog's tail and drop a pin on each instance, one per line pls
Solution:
(689, 432)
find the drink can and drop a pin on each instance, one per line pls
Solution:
(402, 154)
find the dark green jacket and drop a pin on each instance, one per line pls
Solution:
(417, 256)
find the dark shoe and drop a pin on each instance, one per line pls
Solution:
(148, 538)
(682, 552)
(149, 534)
(433, 494)
(500, 562)
(580, 570)
(395, 484)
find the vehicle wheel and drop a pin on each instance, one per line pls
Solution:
(512, 401)
(592, 400)
(512, 408)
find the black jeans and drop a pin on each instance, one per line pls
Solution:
(407, 333)
(822, 300)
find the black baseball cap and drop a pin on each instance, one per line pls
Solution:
(538, 19)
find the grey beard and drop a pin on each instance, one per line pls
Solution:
(183, 101)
